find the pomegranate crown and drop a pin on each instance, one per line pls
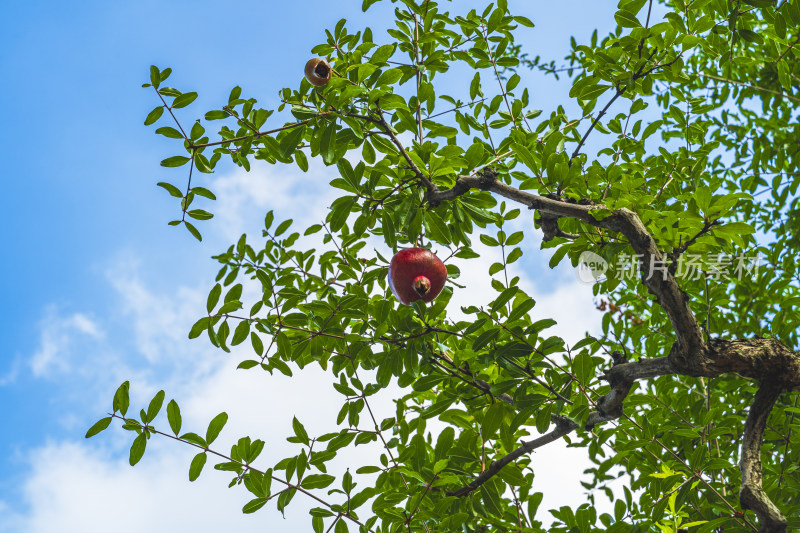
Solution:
(422, 285)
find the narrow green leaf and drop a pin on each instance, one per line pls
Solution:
(521, 309)
(254, 505)
(155, 406)
(154, 115)
(436, 229)
(216, 115)
(289, 142)
(174, 416)
(183, 100)
(175, 161)
(193, 230)
(300, 431)
(98, 426)
(215, 426)
(155, 76)
(121, 400)
(317, 481)
(626, 19)
(240, 333)
(167, 131)
(200, 214)
(202, 191)
(173, 190)
(213, 297)
(197, 465)
(137, 448)
(327, 146)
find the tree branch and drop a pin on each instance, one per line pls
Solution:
(564, 426)
(609, 407)
(686, 353)
(751, 493)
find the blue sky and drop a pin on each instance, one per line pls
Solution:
(98, 289)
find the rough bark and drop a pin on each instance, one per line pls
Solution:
(751, 493)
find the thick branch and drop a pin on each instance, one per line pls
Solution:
(564, 426)
(751, 493)
(764, 360)
(687, 351)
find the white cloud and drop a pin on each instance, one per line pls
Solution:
(55, 341)
(11, 375)
(245, 197)
(160, 319)
(76, 488)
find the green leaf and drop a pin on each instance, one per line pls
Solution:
(137, 448)
(155, 406)
(327, 146)
(183, 100)
(202, 164)
(392, 101)
(254, 505)
(215, 426)
(167, 131)
(282, 227)
(491, 499)
(533, 504)
(197, 465)
(626, 19)
(174, 416)
(492, 420)
(193, 230)
(216, 115)
(340, 211)
(154, 115)
(436, 229)
(202, 191)
(98, 426)
(121, 400)
(241, 333)
(284, 344)
(173, 190)
(213, 297)
(200, 214)
(524, 21)
(593, 91)
(194, 438)
(300, 431)
(504, 297)
(524, 154)
(583, 367)
(155, 76)
(317, 481)
(175, 161)
(382, 54)
(289, 142)
(521, 309)
(485, 338)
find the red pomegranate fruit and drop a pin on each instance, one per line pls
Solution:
(416, 274)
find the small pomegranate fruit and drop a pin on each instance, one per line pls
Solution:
(416, 274)
(318, 72)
